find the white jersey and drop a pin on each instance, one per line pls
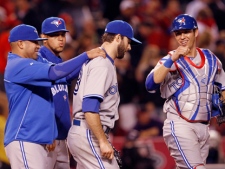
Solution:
(98, 79)
(188, 87)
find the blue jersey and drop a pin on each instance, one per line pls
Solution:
(31, 109)
(60, 98)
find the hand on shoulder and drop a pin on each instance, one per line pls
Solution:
(96, 52)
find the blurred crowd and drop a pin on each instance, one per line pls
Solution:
(141, 113)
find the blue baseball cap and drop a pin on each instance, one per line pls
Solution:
(24, 32)
(184, 21)
(53, 24)
(122, 28)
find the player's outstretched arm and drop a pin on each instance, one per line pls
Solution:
(93, 120)
(93, 53)
(73, 65)
(96, 52)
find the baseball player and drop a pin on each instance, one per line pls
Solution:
(186, 78)
(28, 80)
(96, 100)
(54, 29)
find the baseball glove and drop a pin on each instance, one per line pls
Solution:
(221, 117)
(218, 108)
(117, 156)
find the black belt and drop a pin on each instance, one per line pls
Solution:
(106, 129)
(204, 122)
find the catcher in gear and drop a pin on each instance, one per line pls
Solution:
(186, 78)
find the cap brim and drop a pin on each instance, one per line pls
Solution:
(174, 30)
(40, 39)
(135, 41)
(63, 30)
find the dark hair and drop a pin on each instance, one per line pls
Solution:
(109, 37)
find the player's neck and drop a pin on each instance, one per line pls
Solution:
(109, 50)
(193, 53)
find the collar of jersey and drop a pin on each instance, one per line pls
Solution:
(111, 60)
(12, 55)
(46, 53)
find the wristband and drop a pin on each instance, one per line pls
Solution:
(168, 63)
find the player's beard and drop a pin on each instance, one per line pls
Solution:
(121, 51)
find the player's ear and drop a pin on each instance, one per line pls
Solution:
(20, 44)
(118, 38)
(43, 36)
(196, 32)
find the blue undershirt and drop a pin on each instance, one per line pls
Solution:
(91, 104)
(150, 84)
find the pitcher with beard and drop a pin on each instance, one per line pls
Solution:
(96, 100)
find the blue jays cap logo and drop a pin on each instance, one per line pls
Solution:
(56, 22)
(181, 21)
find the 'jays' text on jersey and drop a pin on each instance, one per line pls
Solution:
(188, 87)
(60, 98)
(31, 110)
(98, 79)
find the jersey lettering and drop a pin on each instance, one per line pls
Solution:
(58, 88)
(176, 84)
(78, 83)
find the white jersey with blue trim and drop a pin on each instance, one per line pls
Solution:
(188, 87)
(98, 79)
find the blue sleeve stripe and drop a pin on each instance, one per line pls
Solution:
(150, 84)
(91, 104)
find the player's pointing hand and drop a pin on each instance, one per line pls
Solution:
(95, 53)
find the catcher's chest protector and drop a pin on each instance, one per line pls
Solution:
(193, 97)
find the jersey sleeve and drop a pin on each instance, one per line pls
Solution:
(98, 79)
(28, 71)
(162, 61)
(151, 74)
